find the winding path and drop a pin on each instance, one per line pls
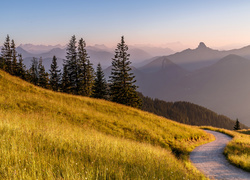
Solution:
(209, 159)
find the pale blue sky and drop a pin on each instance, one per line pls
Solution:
(157, 22)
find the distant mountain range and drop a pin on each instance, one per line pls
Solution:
(97, 53)
(38, 49)
(222, 85)
(218, 80)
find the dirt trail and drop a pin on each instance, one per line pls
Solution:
(209, 159)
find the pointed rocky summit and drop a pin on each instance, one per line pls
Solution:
(202, 45)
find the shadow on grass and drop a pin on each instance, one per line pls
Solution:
(244, 131)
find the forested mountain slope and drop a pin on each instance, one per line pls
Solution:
(187, 113)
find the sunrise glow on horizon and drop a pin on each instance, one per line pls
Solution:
(158, 23)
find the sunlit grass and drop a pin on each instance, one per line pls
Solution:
(48, 135)
(238, 150)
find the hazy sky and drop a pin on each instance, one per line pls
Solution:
(157, 22)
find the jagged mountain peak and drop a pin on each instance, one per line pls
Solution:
(202, 45)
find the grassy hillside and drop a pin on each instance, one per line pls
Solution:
(238, 150)
(48, 135)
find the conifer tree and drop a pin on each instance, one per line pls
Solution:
(237, 125)
(33, 71)
(123, 88)
(71, 66)
(65, 82)
(90, 77)
(82, 57)
(14, 68)
(54, 75)
(21, 69)
(85, 79)
(6, 55)
(43, 76)
(100, 86)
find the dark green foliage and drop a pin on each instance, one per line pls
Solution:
(54, 75)
(33, 71)
(8, 61)
(14, 66)
(43, 76)
(2, 63)
(21, 69)
(100, 86)
(65, 83)
(90, 77)
(122, 87)
(70, 65)
(85, 79)
(188, 113)
(78, 73)
(6, 54)
(237, 125)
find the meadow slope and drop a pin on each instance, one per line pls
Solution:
(48, 135)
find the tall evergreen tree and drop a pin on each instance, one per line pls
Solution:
(65, 82)
(43, 76)
(70, 65)
(7, 55)
(33, 71)
(14, 66)
(82, 56)
(54, 75)
(100, 86)
(123, 88)
(90, 77)
(237, 125)
(85, 70)
(21, 69)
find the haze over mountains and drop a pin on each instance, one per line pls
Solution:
(218, 80)
(97, 53)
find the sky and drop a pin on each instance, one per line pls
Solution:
(217, 23)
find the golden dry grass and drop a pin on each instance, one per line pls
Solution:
(48, 135)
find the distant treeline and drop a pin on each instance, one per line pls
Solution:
(187, 113)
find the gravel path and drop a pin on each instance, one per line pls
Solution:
(209, 159)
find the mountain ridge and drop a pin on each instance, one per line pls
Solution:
(222, 87)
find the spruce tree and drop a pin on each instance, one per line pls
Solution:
(70, 65)
(14, 69)
(85, 79)
(82, 57)
(54, 75)
(33, 71)
(100, 86)
(123, 88)
(90, 77)
(237, 125)
(21, 69)
(43, 77)
(7, 55)
(65, 82)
